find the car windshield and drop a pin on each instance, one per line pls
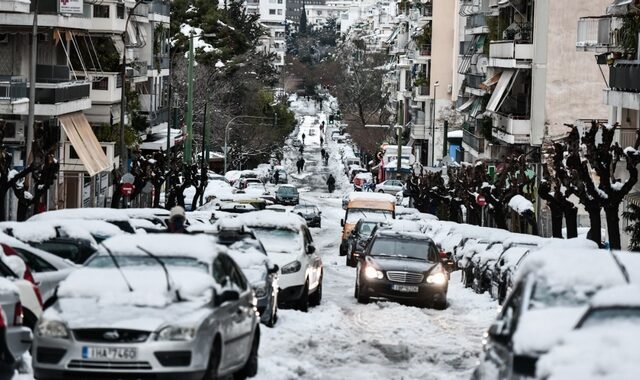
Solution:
(305, 209)
(138, 261)
(73, 252)
(355, 214)
(366, 228)
(287, 190)
(403, 248)
(279, 239)
(545, 295)
(608, 315)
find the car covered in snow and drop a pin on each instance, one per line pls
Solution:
(310, 213)
(390, 186)
(17, 338)
(402, 266)
(113, 216)
(551, 292)
(163, 306)
(604, 344)
(289, 244)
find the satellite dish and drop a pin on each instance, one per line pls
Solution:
(482, 64)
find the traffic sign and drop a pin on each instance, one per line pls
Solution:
(480, 200)
(127, 189)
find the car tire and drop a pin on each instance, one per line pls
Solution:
(303, 302)
(214, 360)
(274, 316)
(381, 191)
(316, 297)
(250, 368)
(362, 297)
(29, 319)
(440, 305)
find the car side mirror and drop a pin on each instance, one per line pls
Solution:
(227, 295)
(342, 222)
(311, 249)
(274, 269)
(16, 264)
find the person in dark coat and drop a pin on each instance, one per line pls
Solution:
(276, 176)
(331, 183)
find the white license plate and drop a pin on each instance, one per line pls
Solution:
(405, 288)
(109, 353)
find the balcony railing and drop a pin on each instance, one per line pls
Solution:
(464, 46)
(475, 142)
(625, 76)
(49, 93)
(158, 117)
(159, 63)
(599, 33)
(12, 88)
(511, 50)
(138, 69)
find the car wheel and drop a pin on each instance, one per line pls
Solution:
(274, 315)
(343, 249)
(29, 319)
(440, 304)
(381, 191)
(303, 302)
(360, 294)
(316, 297)
(214, 361)
(250, 369)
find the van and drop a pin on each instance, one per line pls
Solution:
(375, 207)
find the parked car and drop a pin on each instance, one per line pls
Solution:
(402, 266)
(358, 240)
(360, 179)
(113, 216)
(551, 290)
(310, 213)
(15, 339)
(289, 244)
(237, 208)
(179, 307)
(603, 344)
(283, 177)
(251, 256)
(287, 195)
(390, 186)
(15, 270)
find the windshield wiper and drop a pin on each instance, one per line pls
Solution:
(164, 267)
(115, 262)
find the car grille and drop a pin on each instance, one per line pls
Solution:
(110, 335)
(92, 364)
(408, 277)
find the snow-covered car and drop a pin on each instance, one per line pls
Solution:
(289, 244)
(287, 195)
(236, 208)
(15, 270)
(504, 271)
(552, 289)
(360, 179)
(17, 337)
(249, 253)
(604, 344)
(310, 213)
(113, 216)
(402, 266)
(179, 307)
(158, 216)
(390, 186)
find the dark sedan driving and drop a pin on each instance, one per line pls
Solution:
(310, 213)
(402, 267)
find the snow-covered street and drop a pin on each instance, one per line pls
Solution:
(341, 339)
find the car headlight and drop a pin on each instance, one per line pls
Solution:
(52, 329)
(291, 267)
(438, 278)
(260, 290)
(371, 272)
(173, 333)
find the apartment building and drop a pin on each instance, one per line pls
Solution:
(523, 78)
(273, 17)
(421, 47)
(294, 9)
(318, 15)
(78, 82)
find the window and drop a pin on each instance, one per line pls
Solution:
(218, 270)
(120, 11)
(272, 11)
(279, 12)
(100, 11)
(102, 84)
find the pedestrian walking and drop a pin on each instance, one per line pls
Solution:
(276, 176)
(331, 183)
(303, 136)
(322, 153)
(301, 150)
(321, 141)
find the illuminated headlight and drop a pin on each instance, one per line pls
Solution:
(173, 333)
(371, 272)
(291, 267)
(438, 278)
(260, 290)
(52, 329)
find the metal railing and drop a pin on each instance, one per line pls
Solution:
(52, 94)
(474, 141)
(138, 69)
(12, 88)
(599, 33)
(625, 76)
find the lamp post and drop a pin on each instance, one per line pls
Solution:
(123, 96)
(226, 134)
(433, 124)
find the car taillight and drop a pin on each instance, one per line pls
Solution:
(17, 315)
(443, 254)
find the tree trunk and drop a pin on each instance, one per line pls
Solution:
(571, 218)
(117, 197)
(556, 220)
(613, 226)
(595, 231)
(156, 196)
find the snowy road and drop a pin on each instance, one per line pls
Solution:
(342, 339)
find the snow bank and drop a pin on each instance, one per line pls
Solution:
(199, 247)
(520, 204)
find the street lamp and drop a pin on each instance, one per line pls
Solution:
(433, 124)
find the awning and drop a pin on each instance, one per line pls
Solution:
(475, 110)
(633, 198)
(619, 7)
(490, 82)
(466, 104)
(84, 141)
(500, 91)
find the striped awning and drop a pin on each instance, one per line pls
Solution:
(84, 141)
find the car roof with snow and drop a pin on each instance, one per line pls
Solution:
(145, 213)
(272, 219)
(367, 196)
(617, 296)
(199, 247)
(390, 233)
(82, 213)
(40, 231)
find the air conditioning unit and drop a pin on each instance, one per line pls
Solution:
(14, 132)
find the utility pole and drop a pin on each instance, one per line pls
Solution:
(204, 136)
(189, 115)
(399, 158)
(433, 125)
(32, 86)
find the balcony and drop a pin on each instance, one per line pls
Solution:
(106, 88)
(476, 24)
(510, 54)
(465, 46)
(599, 34)
(625, 76)
(13, 95)
(138, 69)
(512, 129)
(18, 6)
(473, 141)
(160, 62)
(159, 8)
(56, 94)
(474, 80)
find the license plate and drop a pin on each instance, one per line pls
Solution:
(405, 288)
(109, 353)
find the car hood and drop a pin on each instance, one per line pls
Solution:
(539, 330)
(283, 259)
(399, 264)
(73, 312)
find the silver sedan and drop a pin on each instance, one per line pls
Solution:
(391, 186)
